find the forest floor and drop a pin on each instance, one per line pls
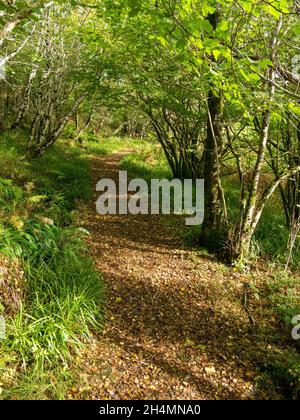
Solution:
(175, 322)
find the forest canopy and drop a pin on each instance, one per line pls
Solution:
(216, 82)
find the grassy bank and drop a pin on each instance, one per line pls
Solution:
(50, 294)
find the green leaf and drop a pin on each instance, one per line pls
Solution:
(211, 43)
(254, 76)
(247, 5)
(134, 12)
(226, 53)
(274, 12)
(264, 64)
(216, 54)
(276, 117)
(134, 4)
(206, 26)
(294, 108)
(223, 26)
(181, 43)
(162, 40)
(207, 9)
(296, 29)
(245, 76)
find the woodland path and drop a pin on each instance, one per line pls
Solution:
(175, 325)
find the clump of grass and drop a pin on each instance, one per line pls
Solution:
(62, 304)
(51, 385)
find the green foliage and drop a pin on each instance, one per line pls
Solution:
(283, 374)
(105, 146)
(51, 384)
(148, 163)
(62, 305)
(58, 179)
(284, 294)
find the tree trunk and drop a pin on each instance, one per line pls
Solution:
(39, 148)
(213, 234)
(251, 205)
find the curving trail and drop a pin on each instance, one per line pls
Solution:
(175, 326)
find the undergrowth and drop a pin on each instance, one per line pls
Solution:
(56, 307)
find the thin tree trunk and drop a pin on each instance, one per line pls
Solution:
(40, 148)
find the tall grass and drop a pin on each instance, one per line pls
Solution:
(62, 306)
(147, 163)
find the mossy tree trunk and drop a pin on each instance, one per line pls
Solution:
(213, 234)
